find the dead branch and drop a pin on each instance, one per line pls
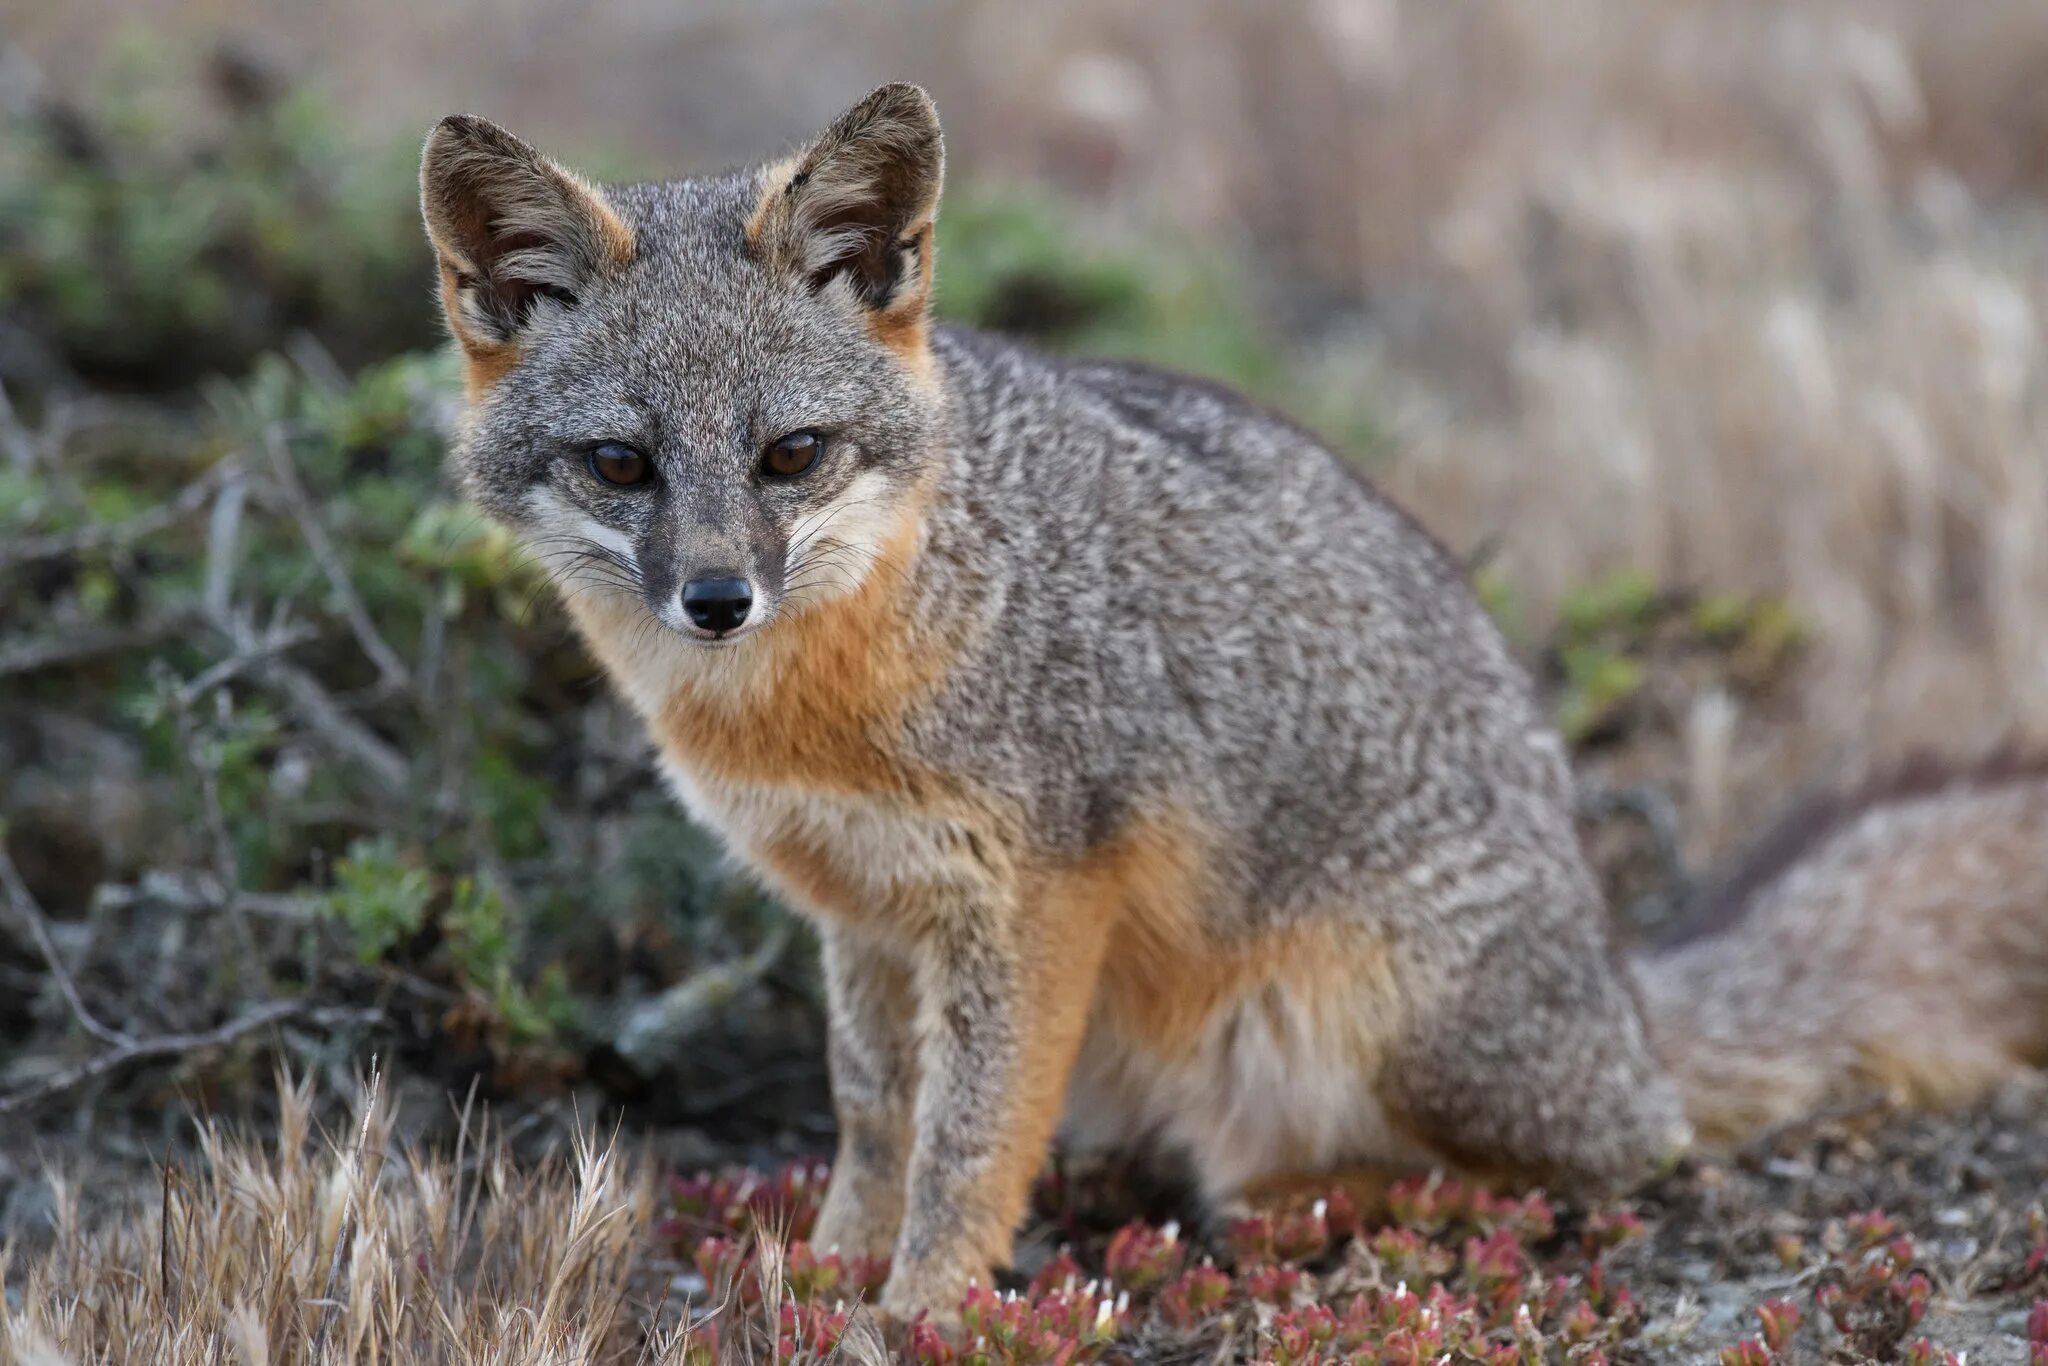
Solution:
(223, 539)
(23, 904)
(315, 708)
(655, 1031)
(77, 646)
(126, 532)
(179, 1045)
(349, 738)
(15, 441)
(274, 641)
(226, 864)
(391, 669)
(190, 890)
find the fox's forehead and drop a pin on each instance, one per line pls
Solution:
(688, 225)
(690, 301)
(692, 296)
(693, 340)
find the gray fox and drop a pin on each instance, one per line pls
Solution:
(1145, 772)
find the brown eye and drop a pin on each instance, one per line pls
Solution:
(792, 455)
(619, 464)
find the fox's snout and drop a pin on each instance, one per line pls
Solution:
(714, 571)
(717, 604)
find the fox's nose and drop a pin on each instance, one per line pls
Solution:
(718, 605)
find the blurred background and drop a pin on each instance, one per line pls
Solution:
(1711, 333)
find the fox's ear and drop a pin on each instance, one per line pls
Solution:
(857, 205)
(512, 229)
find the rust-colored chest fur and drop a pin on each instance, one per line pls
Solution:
(822, 710)
(793, 745)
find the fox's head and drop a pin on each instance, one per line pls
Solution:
(711, 396)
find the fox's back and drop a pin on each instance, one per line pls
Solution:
(1192, 602)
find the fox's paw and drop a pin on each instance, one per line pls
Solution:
(853, 1227)
(930, 1291)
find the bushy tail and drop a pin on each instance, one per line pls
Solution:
(1895, 940)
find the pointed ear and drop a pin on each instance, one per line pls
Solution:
(512, 231)
(857, 206)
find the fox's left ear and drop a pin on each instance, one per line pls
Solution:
(513, 231)
(855, 209)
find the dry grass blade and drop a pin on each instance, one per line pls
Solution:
(348, 1215)
(293, 1250)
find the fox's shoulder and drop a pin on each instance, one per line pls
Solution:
(1008, 381)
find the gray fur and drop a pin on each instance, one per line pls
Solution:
(1223, 615)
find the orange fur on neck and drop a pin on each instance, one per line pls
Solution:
(825, 709)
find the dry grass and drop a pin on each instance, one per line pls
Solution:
(1732, 309)
(457, 1258)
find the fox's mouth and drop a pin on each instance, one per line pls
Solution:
(692, 634)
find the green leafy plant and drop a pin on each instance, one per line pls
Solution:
(149, 242)
(380, 896)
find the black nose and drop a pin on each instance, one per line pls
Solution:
(717, 604)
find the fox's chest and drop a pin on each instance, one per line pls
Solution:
(850, 857)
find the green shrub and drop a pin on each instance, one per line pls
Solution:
(161, 228)
(1021, 264)
(379, 896)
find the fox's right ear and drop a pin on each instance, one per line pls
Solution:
(512, 229)
(857, 206)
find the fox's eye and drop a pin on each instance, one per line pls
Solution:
(616, 463)
(792, 455)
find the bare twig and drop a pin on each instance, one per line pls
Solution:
(14, 438)
(33, 656)
(655, 1031)
(253, 653)
(273, 642)
(226, 863)
(187, 890)
(314, 706)
(391, 669)
(347, 1232)
(298, 909)
(25, 909)
(343, 733)
(127, 531)
(223, 538)
(178, 1045)
(316, 361)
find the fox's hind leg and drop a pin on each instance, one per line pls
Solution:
(1530, 1063)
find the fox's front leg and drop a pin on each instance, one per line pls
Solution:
(873, 1059)
(1003, 994)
